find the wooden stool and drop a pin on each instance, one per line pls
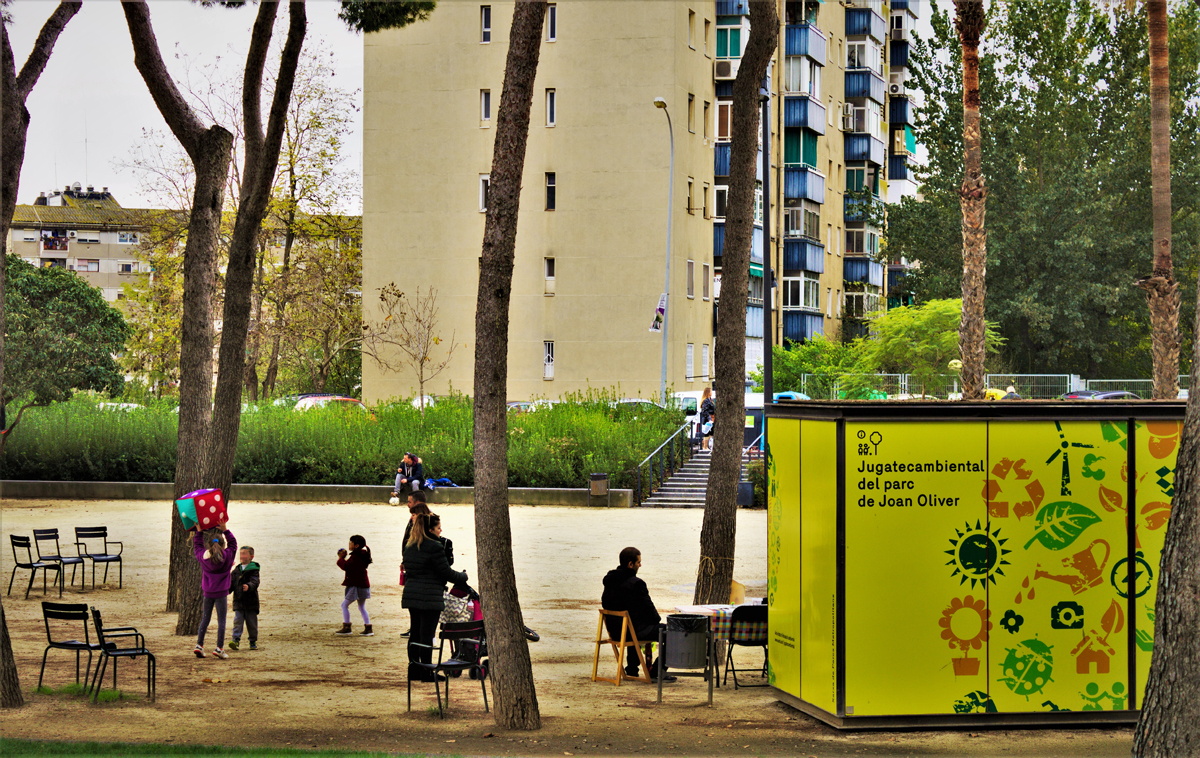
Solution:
(628, 639)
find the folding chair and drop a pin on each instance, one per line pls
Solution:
(464, 631)
(65, 613)
(99, 535)
(23, 543)
(628, 639)
(109, 649)
(51, 535)
(747, 628)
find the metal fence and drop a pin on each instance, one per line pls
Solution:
(1142, 387)
(1031, 386)
(948, 386)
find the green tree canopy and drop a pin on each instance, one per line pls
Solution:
(60, 337)
(374, 16)
(810, 367)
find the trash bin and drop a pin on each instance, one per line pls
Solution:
(745, 493)
(687, 641)
(599, 485)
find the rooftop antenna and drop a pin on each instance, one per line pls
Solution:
(85, 151)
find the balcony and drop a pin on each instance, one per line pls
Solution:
(754, 320)
(721, 159)
(898, 168)
(805, 39)
(756, 247)
(864, 147)
(803, 184)
(733, 7)
(803, 112)
(55, 244)
(899, 54)
(862, 270)
(799, 326)
(899, 110)
(756, 242)
(800, 254)
(865, 22)
(865, 83)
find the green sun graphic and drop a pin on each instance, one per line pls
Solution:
(977, 554)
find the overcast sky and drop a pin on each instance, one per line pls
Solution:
(91, 89)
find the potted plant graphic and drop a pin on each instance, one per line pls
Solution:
(965, 625)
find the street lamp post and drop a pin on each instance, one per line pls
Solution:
(662, 103)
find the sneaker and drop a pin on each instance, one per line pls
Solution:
(366, 632)
(233, 644)
(254, 646)
(198, 651)
(219, 653)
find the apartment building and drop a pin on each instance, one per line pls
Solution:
(591, 244)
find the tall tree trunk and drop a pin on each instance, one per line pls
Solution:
(970, 20)
(289, 238)
(262, 158)
(714, 575)
(1162, 291)
(14, 126)
(1168, 726)
(512, 672)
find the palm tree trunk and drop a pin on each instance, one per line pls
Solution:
(1162, 291)
(714, 575)
(516, 705)
(970, 20)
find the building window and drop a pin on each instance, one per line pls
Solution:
(704, 362)
(803, 291)
(691, 279)
(707, 26)
(550, 186)
(485, 105)
(802, 75)
(864, 55)
(802, 218)
(839, 303)
(829, 302)
(485, 24)
(758, 203)
(549, 265)
(720, 200)
(93, 238)
(724, 119)
(126, 267)
(691, 205)
(548, 360)
(691, 113)
(692, 29)
(127, 238)
(691, 362)
(704, 200)
(862, 242)
(729, 41)
(552, 22)
(485, 182)
(29, 235)
(706, 117)
(551, 107)
(88, 266)
(756, 290)
(704, 282)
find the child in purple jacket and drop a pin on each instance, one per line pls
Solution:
(215, 550)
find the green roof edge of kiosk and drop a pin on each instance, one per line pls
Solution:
(1003, 453)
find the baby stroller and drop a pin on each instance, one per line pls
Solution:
(471, 610)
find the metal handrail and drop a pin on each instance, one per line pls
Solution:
(661, 452)
(746, 450)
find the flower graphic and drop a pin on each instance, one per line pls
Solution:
(1012, 621)
(974, 630)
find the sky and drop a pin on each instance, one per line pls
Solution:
(90, 105)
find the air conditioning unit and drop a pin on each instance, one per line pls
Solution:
(726, 70)
(847, 109)
(71, 234)
(900, 35)
(848, 122)
(895, 88)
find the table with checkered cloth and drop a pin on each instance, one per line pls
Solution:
(722, 620)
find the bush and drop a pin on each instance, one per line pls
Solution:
(550, 447)
(755, 473)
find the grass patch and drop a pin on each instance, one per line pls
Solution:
(11, 747)
(75, 689)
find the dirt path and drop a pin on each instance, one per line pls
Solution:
(309, 688)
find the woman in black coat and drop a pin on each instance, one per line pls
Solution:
(426, 572)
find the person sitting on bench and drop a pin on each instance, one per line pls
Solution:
(623, 591)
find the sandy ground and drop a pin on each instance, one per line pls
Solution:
(309, 688)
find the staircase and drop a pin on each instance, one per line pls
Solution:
(686, 489)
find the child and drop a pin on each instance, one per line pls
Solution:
(244, 586)
(214, 550)
(358, 586)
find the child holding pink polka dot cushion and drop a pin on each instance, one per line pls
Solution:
(215, 549)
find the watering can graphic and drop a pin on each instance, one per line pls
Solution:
(1085, 570)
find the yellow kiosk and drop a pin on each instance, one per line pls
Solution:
(955, 564)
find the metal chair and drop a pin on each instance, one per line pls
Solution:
(465, 631)
(99, 534)
(628, 638)
(51, 535)
(109, 650)
(65, 613)
(747, 628)
(23, 543)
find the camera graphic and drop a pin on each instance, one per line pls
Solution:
(1066, 615)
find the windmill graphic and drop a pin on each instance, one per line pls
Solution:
(1064, 451)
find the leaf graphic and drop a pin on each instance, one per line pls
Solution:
(1113, 620)
(1059, 524)
(1156, 515)
(1111, 500)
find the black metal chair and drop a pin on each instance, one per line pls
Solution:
(32, 566)
(109, 649)
(747, 628)
(51, 535)
(65, 613)
(99, 535)
(465, 631)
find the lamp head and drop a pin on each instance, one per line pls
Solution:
(660, 103)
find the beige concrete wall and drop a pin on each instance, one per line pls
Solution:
(425, 150)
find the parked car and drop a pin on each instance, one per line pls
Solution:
(520, 406)
(1099, 395)
(789, 395)
(331, 401)
(119, 406)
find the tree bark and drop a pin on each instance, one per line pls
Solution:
(516, 705)
(262, 158)
(970, 21)
(14, 126)
(714, 575)
(1162, 291)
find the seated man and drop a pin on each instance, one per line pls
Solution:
(623, 591)
(411, 474)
